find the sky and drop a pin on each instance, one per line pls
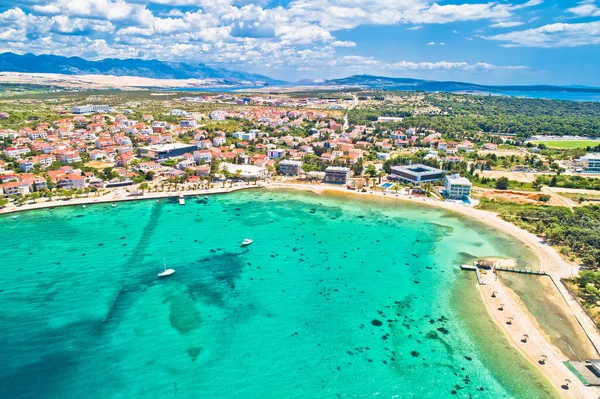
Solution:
(491, 42)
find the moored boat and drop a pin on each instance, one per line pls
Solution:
(166, 272)
(246, 242)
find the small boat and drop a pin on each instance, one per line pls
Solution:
(167, 272)
(114, 205)
(181, 200)
(83, 206)
(206, 197)
(247, 241)
(157, 201)
(15, 217)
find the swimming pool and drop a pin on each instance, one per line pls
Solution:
(386, 185)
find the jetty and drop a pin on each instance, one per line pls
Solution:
(522, 271)
(494, 269)
(477, 272)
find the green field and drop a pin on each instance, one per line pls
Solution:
(568, 144)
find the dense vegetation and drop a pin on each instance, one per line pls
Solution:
(456, 114)
(576, 232)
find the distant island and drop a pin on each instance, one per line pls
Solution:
(137, 73)
(382, 82)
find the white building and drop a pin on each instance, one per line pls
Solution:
(590, 163)
(202, 156)
(275, 153)
(86, 109)
(457, 187)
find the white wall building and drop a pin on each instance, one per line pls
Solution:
(457, 187)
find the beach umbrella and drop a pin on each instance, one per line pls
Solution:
(525, 336)
(494, 294)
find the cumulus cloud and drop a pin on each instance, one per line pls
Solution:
(552, 35)
(506, 24)
(585, 9)
(299, 35)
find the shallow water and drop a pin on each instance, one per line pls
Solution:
(335, 298)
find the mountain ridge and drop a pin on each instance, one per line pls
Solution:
(47, 63)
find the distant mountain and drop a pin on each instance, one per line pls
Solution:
(382, 82)
(31, 63)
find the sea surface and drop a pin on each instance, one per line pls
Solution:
(336, 298)
(548, 95)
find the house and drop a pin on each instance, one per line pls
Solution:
(25, 165)
(124, 159)
(204, 145)
(16, 188)
(275, 153)
(202, 170)
(73, 182)
(336, 175)
(70, 157)
(188, 123)
(15, 152)
(466, 145)
(202, 156)
(219, 141)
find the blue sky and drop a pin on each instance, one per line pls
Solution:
(494, 42)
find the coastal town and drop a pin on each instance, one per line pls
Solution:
(96, 148)
(197, 145)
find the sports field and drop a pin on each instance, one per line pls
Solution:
(568, 144)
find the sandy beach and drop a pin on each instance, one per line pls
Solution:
(522, 321)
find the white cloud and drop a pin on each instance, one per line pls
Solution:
(13, 35)
(245, 33)
(346, 43)
(444, 65)
(506, 24)
(552, 35)
(585, 9)
(431, 44)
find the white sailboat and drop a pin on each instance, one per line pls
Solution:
(167, 272)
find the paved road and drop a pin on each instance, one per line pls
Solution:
(354, 104)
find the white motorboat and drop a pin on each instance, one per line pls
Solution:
(205, 197)
(166, 272)
(114, 205)
(181, 199)
(83, 206)
(247, 241)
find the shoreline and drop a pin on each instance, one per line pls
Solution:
(550, 262)
(120, 196)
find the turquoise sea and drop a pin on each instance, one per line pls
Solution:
(336, 298)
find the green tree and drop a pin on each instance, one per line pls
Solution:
(538, 183)
(502, 183)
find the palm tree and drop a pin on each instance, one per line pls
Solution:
(428, 188)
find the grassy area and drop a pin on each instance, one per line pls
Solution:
(576, 196)
(568, 144)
